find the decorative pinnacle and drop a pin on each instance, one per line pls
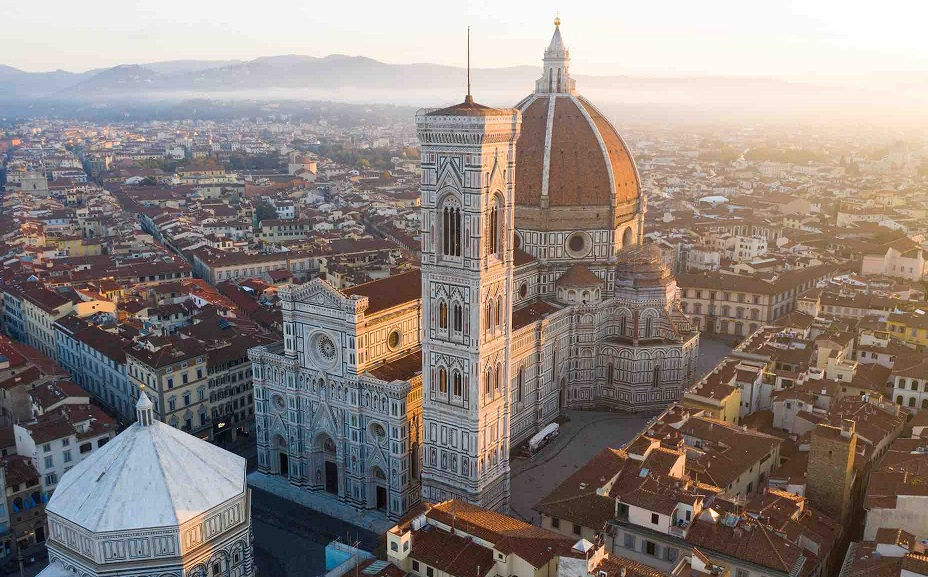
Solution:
(557, 20)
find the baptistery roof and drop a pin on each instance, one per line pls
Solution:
(150, 475)
(568, 153)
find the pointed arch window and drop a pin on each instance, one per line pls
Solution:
(486, 383)
(458, 384)
(499, 377)
(520, 381)
(648, 327)
(442, 381)
(442, 314)
(452, 231)
(499, 311)
(656, 377)
(610, 371)
(494, 235)
(458, 317)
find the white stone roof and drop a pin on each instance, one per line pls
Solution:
(146, 477)
(56, 569)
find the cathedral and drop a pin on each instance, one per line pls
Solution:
(535, 295)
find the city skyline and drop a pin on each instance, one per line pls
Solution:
(821, 38)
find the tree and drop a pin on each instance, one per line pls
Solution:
(265, 212)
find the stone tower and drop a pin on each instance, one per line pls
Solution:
(468, 175)
(830, 474)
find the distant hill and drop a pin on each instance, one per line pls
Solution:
(335, 71)
(360, 79)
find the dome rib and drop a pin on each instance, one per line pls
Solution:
(587, 164)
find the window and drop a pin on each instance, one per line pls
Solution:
(458, 385)
(49, 462)
(655, 518)
(493, 231)
(629, 541)
(519, 382)
(555, 522)
(577, 529)
(415, 565)
(172, 403)
(86, 448)
(186, 399)
(650, 548)
(65, 442)
(442, 315)
(442, 381)
(394, 546)
(458, 317)
(451, 232)
(184, 378)
(67, 456)
(170, 382)
(429, 572)
(742, 573)
(47, 447)
(51, 479)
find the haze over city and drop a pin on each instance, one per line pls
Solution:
(464, 290)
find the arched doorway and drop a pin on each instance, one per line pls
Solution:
(377, 496)
(327, 452)
(283, 457)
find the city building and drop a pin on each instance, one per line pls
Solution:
(534, 296)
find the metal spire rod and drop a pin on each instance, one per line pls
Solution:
(468, 63)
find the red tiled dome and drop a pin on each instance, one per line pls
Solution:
(588, 163)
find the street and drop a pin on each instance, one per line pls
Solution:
(586, 434)
(290, 539)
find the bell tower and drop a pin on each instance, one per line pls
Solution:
(468, 174)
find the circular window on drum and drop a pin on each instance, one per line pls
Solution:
(394, 339)
(578, 244)
(523, 290)
(378, 432)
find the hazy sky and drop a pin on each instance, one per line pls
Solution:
(656, 37)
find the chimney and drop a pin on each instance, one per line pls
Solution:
(847, 428)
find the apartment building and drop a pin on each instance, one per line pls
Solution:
(173, 373)
(59, 439)
(722, 303)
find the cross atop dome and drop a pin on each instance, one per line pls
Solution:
(556, 78)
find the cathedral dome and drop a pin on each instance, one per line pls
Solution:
(569, 155)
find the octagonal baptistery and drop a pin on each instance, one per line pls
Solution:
(154, 502)
(577, 190)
